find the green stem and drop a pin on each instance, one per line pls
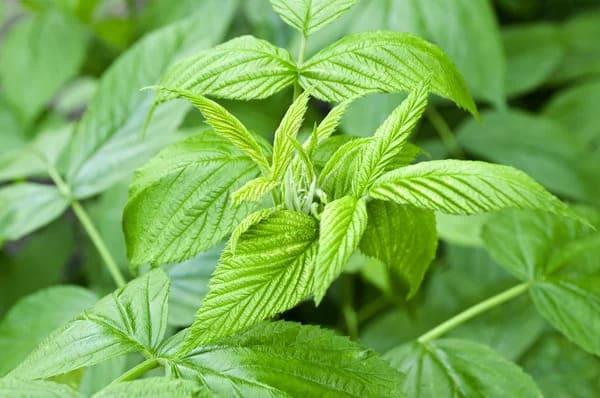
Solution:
(444, 132)
(473, 311)
(299, 61)
(89, 227)
(137, 371)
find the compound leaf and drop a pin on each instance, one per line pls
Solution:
(270, 270)
(308, 16)
(180, 202)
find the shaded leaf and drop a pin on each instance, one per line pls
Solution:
(38, 389)
(154, 387)
(308, 16)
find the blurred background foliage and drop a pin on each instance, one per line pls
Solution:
(532, 65)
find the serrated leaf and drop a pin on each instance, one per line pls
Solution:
(154, 387)
(25, 207)
(40, 54)
(35, 316)
(288, 359)
(180, 202)
(308, 16)
(457, 368)
(228, 126)
(342, 224)
(131, 319)
(39, 389)
(464, 187)
(286, 133)
(243, 68)
(337, 176)
(107, 144)
(404, 238)
(270, 271)
(254, 190)
(329, 124)
(383, 62)
(534, 144)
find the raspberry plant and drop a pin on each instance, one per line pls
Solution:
(291, 224)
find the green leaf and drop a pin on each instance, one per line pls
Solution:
(404, 238)
(40, 54)
(133, 318)
(468, 32)
(243, 68)
(464, 187)
(308, 16)
(229, 127)
(39, 389)
(283, 144)
(35, 316)
(385, 62)
(25, 207)
(107, 145)
(254, 190)
(287, 359)
(154, 387)
(461, 230)
(270, 271)
(342, 225)
(328, 125)
(533, 51)
(337, 176)
(180, 202)
(457, 368)
(536, 145)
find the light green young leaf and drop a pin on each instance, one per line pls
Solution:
(337, 176)
(328, 125)
(271, 270)
(35, 316)
(288, 359)
(404, 238)
(538, 146)
(107, 144)
(342, 225)
(457, 368)
(39, 55)
(382, 62)
(228, 126)
(39, 389)
(27, 206)
(465, 187)
(131, 319)
(283, 142)
(308, 16)
(155, 387)
(468, 32)
(254, 190)
(180, 202)
(533, 51)
(243, 68)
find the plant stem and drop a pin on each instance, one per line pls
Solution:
(473, 311)
(137, 371)
(299, 61)
(89, 227)
(444, 132)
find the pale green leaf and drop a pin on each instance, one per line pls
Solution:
(461, 230)
(271, 270)
(457, 368)
(242, 68)
(404, 238)
(287, 359)
(286, 133)
(39, 55)
(533, 51)
(337, 176)
(154, 387)
(342, 224)
(27, 206)
(228, 126)
(180, 202)
(107, 144)
(308, 16)
(464, 187)
(540, 147)
(133, 318)
(254, 190)
(382, 62)
(329, 124)
(249, 221)
(12, 388)
(35, 316)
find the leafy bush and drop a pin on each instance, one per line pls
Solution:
(309, 263)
